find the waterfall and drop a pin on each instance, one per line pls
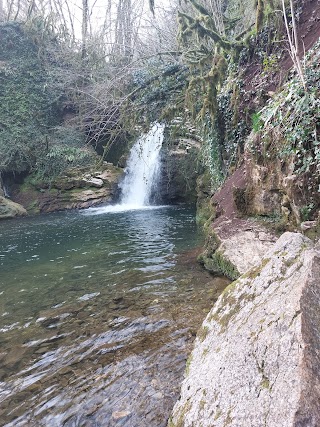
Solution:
(143, 168)
(3, 187)
(141, 174)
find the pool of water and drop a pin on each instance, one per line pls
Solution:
(97, 316)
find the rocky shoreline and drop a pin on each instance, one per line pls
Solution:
(256, 357)
(78, 188)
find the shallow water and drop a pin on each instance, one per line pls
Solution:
(97, 316)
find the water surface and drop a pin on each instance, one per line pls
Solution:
(97, 316)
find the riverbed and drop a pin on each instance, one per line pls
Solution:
(98, 313)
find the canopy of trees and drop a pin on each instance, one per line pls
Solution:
(89, 74)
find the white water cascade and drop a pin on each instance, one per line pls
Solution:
(141, 174)
(143, 168)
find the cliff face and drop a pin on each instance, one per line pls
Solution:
(256, 358)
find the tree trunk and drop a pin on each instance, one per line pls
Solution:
(85, 16)
(1, 11)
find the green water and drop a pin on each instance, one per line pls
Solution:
(97, 315)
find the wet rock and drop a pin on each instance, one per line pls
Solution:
(42, 350)
(65, 370)
(14, 356)
(178, 171)
(10, 209)
(77, 188)
(117, 415)
(256, 358)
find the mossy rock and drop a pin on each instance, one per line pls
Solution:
(218, 264)
(10, 209)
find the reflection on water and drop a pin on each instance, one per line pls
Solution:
(97, 315)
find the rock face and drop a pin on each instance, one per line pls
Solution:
(234, 244)
(179, 171)
(256, 360)
(9, 209)
(275, 189)
(78, 188)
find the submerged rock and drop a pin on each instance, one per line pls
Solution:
(256, 360)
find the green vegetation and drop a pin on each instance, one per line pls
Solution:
(202, 333)
(32, 135)
(68, 102)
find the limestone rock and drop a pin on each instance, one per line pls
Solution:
(256, 360)
(307, 225)
(10, 209)
(245, 249)
(78, 188)
(118, 415)
(274, 189)
(235, 254)
(93, 182)
(178, 171)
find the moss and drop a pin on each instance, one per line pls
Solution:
(231, 304)
(265, 383)
(228, 419)
(202, 404)
(256, 271)
(33, 207)
(180, 420)
(218, 264)
(218, 414)
(202, 333)
(205, 213)
(188, 363)
(205, 352)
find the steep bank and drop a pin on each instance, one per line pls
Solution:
(256, 359)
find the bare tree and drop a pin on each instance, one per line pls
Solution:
(1, 11)
(84, 27)
(293, 41)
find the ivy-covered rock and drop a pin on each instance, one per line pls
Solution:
(28, 107)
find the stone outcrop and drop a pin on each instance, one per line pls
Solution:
(274, 188)
(256, 360)
(234, 244)
(10, 209)
(179, 171)
(78, 188)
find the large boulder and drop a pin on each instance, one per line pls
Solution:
(10, 209)
(256, 360)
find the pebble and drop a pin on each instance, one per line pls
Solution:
(117, 415)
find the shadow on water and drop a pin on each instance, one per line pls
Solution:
(97, 316)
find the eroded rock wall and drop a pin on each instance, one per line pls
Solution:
(77, 188)
(256, 360)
